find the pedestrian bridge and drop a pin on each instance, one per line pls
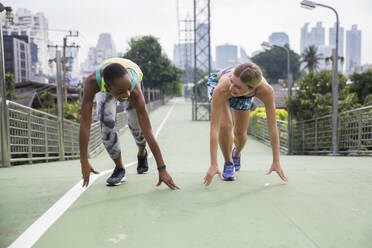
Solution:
(326, 203)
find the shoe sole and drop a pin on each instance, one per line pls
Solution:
(142, 171)
(117, 184)
(229, 179)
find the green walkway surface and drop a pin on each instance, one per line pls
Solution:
(327, 202)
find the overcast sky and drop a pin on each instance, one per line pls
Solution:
(241, 22)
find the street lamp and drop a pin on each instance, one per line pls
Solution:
(268, 45)
(311, 5)
(4, 139)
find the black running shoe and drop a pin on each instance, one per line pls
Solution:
(142, 165)
(117, 177)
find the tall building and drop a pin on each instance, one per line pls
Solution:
(35, 26)
(315, 37)
(183, 55)
(17, 57)
(243, 57)
(325, 51)
(305, 36)
(226, 55)
(202, 46)
(353, 48)
(332, 42)
(104, 49)
(279, 39)
(318, 34)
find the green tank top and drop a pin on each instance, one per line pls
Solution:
(133, 68)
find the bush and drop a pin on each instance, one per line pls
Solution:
(281, 114)
(314, 96)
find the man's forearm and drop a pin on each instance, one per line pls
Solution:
(274, 138)
(154, 147)
(84, 140)
(213, 147)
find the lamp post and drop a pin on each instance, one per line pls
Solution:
(268, 45)
(311, 5)
(4, 139)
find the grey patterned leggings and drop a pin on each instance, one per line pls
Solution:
(106, 111)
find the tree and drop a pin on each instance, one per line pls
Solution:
(48, 100)
(273, 63)
(158, 70)
(10, 86)
(362, 85)
(314, 96)
(72, 110)
(311, 58)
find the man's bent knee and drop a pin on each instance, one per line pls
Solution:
(240, 135)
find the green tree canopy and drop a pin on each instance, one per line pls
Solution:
(48, 100)
(362, 85)
(314, 96)
(10, 86)
(158, 71)
(311, 58)
(274, 63)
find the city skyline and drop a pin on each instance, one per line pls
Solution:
(123, 24)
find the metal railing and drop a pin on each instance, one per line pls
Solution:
(354, 131)
(201, 107)
(258, 128)
(34, 135)
(314, 136)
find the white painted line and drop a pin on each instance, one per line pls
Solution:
(32, 234)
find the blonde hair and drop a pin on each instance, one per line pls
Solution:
(249, 73)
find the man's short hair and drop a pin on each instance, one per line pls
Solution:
(249, 73)
(113, 71)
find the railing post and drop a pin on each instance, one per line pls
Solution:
(316, 134)
(360, 131)
(303, 137)
(61, 149)
(4, 120)
(29, 136)
(46, 138)
(148, 95)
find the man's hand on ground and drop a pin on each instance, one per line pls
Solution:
(167, 179)
(278, 169)
(213, 170)
(86, 169)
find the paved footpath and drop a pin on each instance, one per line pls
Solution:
(327, 202)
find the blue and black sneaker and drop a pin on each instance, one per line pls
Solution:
(236, 160)
(142, 164)
(117, 177)
(228, 171)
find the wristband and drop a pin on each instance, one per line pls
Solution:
(161, 168)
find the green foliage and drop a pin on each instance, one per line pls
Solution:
(314, 96)
(362, 85)
(311, 58)
(273, 64)
(72, 111)
(48, 99)
(281, 114)
(368, 100)
(10, 86)
(158, 71)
